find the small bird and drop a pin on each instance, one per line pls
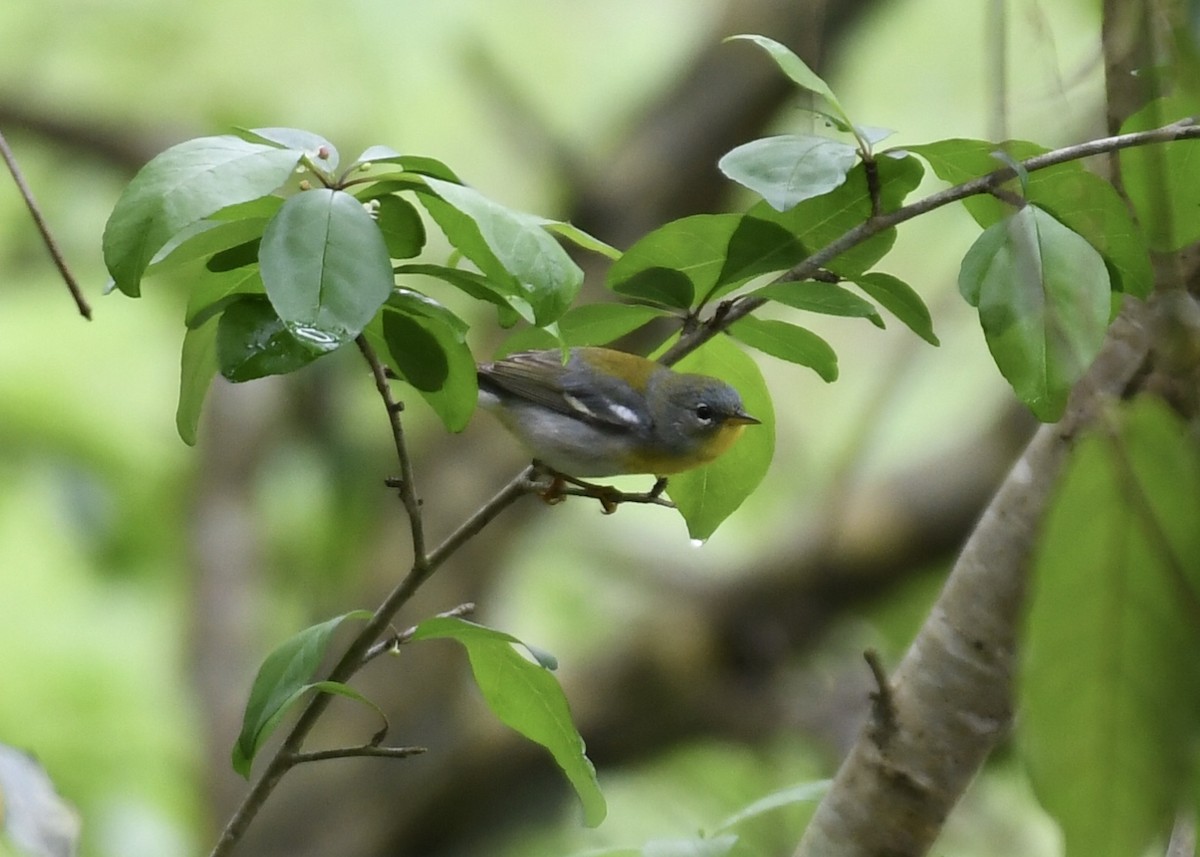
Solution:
(607, 413)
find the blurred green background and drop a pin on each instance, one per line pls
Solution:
(141, 581)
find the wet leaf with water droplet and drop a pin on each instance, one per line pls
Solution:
(252, 342)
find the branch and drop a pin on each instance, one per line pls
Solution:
(424, 565)
(892, 799)
(59, 261)
(406, 485)
(731, 311)
(356, 752)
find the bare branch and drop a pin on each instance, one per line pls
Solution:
(55, 253)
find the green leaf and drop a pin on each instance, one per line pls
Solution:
(230, 259)
(421, 347)
(825, 298)
(1162, 181)
(524, 696)
(823, 219)
(411, 163)
(589, 324)
(507, 246)
(282, 679)
(252, 342)
(325, 267)
(412, 302)
(787, 170)
(181, 186)
(959, 160)
(698, 846)
(1043, 298)
(417, 353)
(902, 301)
(1080, 200)
(203, 239)
(797, 70)
(787, 342)
(214, 292)
(198, 366)
(676, 262)
(580, 238)
(1108, 682)
(296, 139)
(756, 247)
(510, 307)
(600, 324)
(708, 495)
(401, 225)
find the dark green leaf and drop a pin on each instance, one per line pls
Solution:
(234, 257)
(524, 696)
(305, 142)
(415, 351)
(1043, 298)
(1163, 181)
(508, 246)
(708, 495)
(788, 169)
(205, 238)
(198, 366)
(1080, 200)
(797, 70)
(821, 220)
(214, 293)
(509, 306)
(281, 680)
(252, 342)
(677, 262)
(657, 285)
(900, 299)
(401, 225)
(181, 186)
(825, 298)
(419, 344)
(325, 267)
(411, 302)
(788, 342)
(1108, 682)
(756, 247)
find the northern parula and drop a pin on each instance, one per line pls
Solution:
(606, 412)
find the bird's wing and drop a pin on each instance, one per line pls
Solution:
(541, 378)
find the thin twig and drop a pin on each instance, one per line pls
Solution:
(1184, 129)
(59, 261)
(356, 752)
(406, 486)
(393, 642)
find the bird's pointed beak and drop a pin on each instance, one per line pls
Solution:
(741, 418)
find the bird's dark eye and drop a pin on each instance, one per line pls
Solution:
(704, 412)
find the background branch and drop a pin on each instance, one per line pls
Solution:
(47, 238)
